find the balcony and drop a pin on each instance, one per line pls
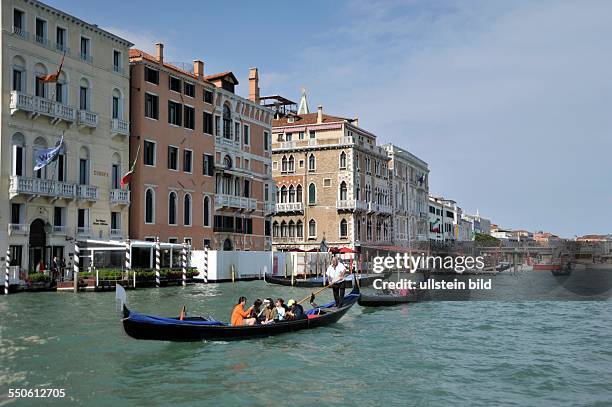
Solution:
(116, 234)
(15, 229)
(83, 231)
(59, 230)
(385, 209)
(269, 208)
(87, 192)
(350, 204)
(236, 202)
(36, 106)
(42, 40)
(289, 207)
(88, 119)
(120, 127)
(40, 187)
(20, 32)
(120, 197)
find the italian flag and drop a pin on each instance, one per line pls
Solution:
(127, 178)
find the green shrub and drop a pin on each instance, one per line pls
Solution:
(39, 278)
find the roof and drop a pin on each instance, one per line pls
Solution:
(137, 53)
(304, 119)
(222, 75)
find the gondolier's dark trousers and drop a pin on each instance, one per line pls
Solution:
(338, 289)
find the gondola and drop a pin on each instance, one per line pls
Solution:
(364, 281)
(140, 326)
(385, 300)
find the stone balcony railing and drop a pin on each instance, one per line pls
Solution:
(314, 142)
(385, 208)
(120, 197)
(351, 204)
(36, 105)
(116, 233)
(41, 187)
(88, 119)
(289, 207)
(83, 231)
(120, 127)
(18, 229)
(87, 192)
(59, 230)
(237, 202)
(269, 207)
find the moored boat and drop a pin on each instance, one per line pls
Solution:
(140, 326)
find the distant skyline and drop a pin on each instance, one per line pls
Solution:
(510, 103)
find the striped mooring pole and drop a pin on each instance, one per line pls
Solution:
(127, 254)
(184, 263)
(205, 275)
(7, 264)
(157, 262)
(75, 270)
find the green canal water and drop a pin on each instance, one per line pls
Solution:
(431, 353)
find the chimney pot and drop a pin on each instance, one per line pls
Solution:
(320, 114)
(159, 49)
(198, 68)
(254, 85)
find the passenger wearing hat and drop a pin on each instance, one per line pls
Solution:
(266, 315)
(296, 311)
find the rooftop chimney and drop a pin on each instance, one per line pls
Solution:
(320, 114)
(198, 68)
(253, 85)
(159, 49)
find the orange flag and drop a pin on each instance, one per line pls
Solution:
(53, 77)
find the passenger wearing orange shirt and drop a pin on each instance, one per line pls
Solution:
(239, 315)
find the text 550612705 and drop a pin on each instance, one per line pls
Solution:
(36, 393)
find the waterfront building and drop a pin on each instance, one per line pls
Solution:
(203, 173)
(332, 181)
(545, 238)
(478, 224)
(77, 196)
(410, 190)
(446, 221)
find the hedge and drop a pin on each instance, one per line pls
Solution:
(141, 274)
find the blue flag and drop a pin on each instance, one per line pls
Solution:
(48, 155)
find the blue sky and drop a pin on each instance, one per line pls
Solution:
(510, 103)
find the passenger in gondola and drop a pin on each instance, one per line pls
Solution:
(278, 314)
(256, 311)
(240, 316)
(268, 308)
(296, 311)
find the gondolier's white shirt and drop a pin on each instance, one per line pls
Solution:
(333, 274)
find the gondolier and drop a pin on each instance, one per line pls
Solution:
(335, 274)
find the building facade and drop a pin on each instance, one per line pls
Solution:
(203, 164)
(77, 196)
(332, 183)
(410, 190)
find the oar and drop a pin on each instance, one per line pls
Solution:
(311, 296)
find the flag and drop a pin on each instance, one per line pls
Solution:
(53, 77)
(421, 179)
(47, 155)
(128, 175)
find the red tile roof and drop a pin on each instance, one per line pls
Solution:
(304, 119)
(221, 75)
(137, 53)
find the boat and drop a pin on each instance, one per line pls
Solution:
(190, 329)
(385, 300)
(364, 280)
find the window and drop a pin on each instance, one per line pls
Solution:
(187, 210)
(227, 122)
(291, 228)
(18, 22)
(298, 194)
(291, 194)
(18, 80)
(208, 96)
(267, 227)
(206, 211)
(83, 218)
(311, 134)
(247, 188)
(115, 220)
(58, 216)
(266, 192)
(237, 132)
(151, 106)
(41, 88)
(208, 123)
(291, 164)
(312, 163)
(175, 84)
(208, 165)
(299, 229)
(41, 31)
(327, 182)
(312, 194)
(115, 107)
(288, 136)
(301, 135)
(85, 49)
(149, 206)
(84, 168)
(151, 75)
(115, 176)
(149, 153)
(283, 229)
(266, 141)
(187, 160)
(117, 63)
(172, 208)
(189, 117)
(16, 213)
(275, 229)
(312, 229)
(173, 158)
(217, 126)
(343, 229)
(343, 191)
(284, 164)
(246, 134)
(174, 113)
(343, 160)
(84, 98)
(189, 89)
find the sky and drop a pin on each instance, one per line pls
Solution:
(510, 103)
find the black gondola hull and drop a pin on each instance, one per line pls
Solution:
(308, 282)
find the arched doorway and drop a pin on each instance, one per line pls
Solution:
(227, 245)
(37, 244)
